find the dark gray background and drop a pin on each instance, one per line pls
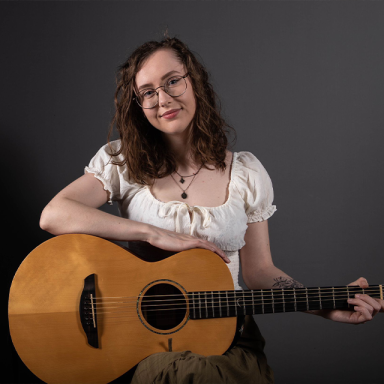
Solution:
(302, 83)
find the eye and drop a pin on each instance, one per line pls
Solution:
(147, 93)
(173, 81)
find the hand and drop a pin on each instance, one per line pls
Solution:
(365, 307)
(177, 242)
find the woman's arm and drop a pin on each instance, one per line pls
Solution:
(75, 210)
(259, 272)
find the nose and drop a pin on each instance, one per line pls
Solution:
(163, 96)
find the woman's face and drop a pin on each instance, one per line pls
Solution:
(159, 67)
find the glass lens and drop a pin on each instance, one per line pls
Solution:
(175, 86)
(148, 98)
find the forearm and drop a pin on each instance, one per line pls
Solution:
(69, 216)
(270, 277)
(65, 215)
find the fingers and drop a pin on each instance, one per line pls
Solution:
(381, 304)
(174, 241)
(361, 282)
(366, 305)
(212, 247)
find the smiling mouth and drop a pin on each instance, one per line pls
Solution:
(170, 114)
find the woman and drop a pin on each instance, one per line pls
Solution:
(178, 187)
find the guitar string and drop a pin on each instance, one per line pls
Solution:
(265, 293)
(121, 311)
(210, 300)
(209, 306)
(165, 315)
(268, 308)
(371, 288)
(248, 294)
(214, 304)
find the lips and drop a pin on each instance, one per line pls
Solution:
(170, 114)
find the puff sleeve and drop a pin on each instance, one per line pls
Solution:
(113, 177)
(255, 188)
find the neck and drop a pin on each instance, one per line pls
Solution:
(212, 304)
(179, 145)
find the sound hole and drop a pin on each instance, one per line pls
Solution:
(164, 306)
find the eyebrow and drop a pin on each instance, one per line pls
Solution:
(163, 77)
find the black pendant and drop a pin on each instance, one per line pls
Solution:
(184, 195)
(182, 180)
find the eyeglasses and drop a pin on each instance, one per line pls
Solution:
(174, 86)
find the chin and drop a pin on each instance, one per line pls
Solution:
(174, 129)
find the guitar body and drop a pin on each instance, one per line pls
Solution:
(45, 295)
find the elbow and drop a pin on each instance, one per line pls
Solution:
(44, 219)
(254, 278)
(47, 220)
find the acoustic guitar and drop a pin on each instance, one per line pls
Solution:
(85, 310)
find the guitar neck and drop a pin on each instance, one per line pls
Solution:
(214, 304)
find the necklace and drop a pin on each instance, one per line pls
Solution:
(182, 181)
(184, 195)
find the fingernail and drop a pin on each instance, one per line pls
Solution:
(357, 295)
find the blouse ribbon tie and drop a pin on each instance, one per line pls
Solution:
(181, 211)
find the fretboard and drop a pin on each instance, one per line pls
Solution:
(211, 304)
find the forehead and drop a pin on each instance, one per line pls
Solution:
(157, 65)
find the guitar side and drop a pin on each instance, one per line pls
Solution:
(44, 315)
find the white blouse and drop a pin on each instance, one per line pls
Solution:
(249, 200)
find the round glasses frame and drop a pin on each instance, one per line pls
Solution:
(165, 90)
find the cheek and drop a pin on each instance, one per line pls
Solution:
(151, 116)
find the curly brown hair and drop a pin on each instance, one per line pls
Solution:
(143, 148)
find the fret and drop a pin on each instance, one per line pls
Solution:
(194, 305)
(245, 309)
(213, 305)
(327, 298)
(294, 299)
(306, 295)
(232, 303)
(221, 315)
(273, 301)
(199, 304)
(289, 300)
(301, 299)
(206, 305)
(321, 306)
(226, 294)
(313, 299)
(279, 300)
(253, 304)
(262, 302)
(333, 297)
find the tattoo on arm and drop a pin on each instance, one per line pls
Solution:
(286, 282)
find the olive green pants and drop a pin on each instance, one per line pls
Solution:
(245, 363)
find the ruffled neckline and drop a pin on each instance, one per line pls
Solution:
(177, 202)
